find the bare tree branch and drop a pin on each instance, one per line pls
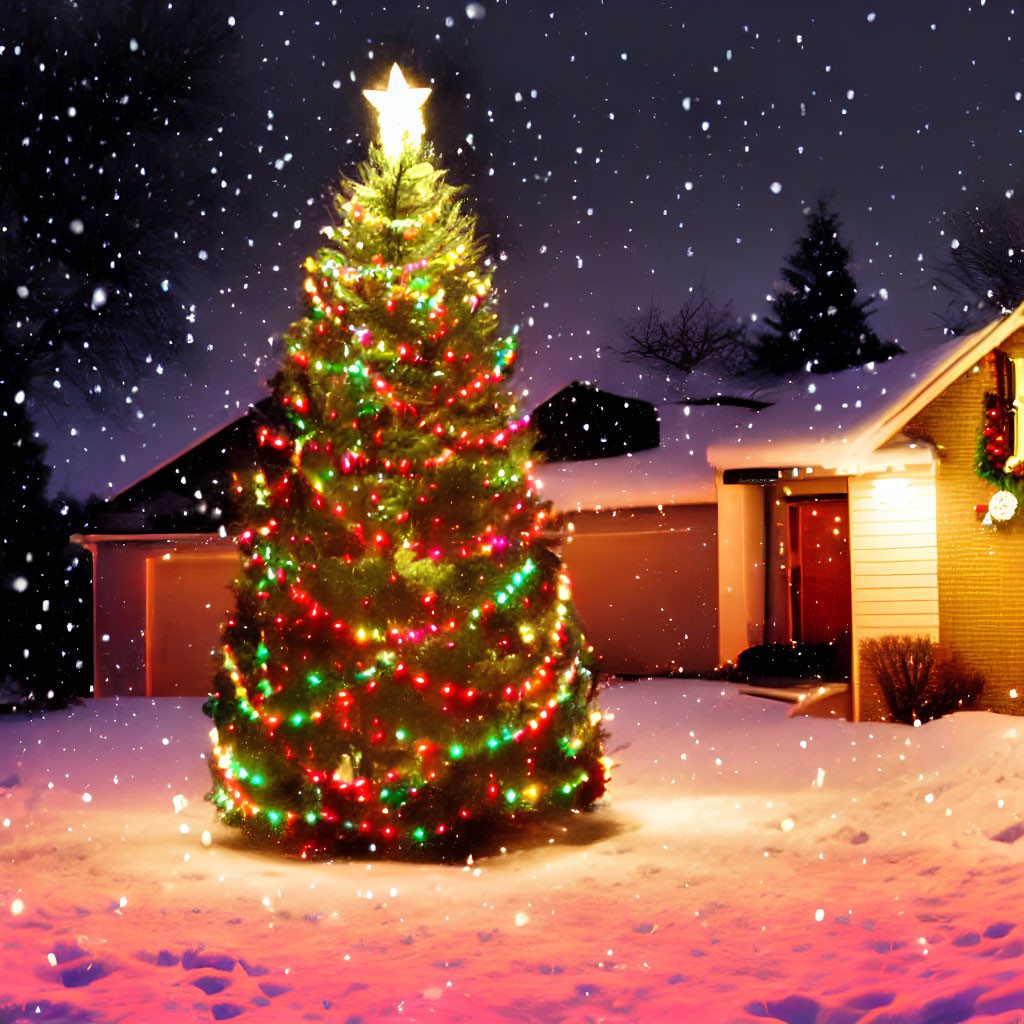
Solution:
(701, 331)
(982, 272)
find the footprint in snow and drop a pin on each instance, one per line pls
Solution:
(273, 989)
(198, 959)
(74, 965)
(84, 974)
(254, 970)
(1010, 950)
(1010, 834)
(795, 1009)
(46, 1012)
(211, 984)
(870, 1000)
(850, 835)
(886, 947)
(225, 1011)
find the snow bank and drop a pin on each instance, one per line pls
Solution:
(747, 867)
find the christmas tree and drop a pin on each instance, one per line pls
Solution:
(818, 321)
(404, 669)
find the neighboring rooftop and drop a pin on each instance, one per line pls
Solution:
(675, 473)
(192, 491)
(583, 422)
(844, 422)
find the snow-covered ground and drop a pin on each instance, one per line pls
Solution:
(746, 867)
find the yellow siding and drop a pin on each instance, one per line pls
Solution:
(896, 541)
(893, 552)
(912, 621)
(902, 526)
(883, 577)
(893, 562)
(908, 568)
(979, 567)
(899, 602)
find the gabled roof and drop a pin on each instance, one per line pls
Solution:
(192, 490)
(850, 422)
(583, 422)
(846, 422)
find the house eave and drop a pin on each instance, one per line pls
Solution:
(85, 539)
(975, 347)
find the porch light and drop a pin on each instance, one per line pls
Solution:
(891, 490)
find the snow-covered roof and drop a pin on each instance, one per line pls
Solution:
(675, 473)
(846, 422)
(851, 421)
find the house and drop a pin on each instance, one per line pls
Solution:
(834, 509)
(849, 507)
(639, 540)
(855, 507)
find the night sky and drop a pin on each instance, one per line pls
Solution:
(616, 152)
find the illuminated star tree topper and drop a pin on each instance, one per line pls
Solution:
(399, 113)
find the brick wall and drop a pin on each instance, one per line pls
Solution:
(980, 569)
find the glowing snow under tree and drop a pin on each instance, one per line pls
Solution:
(404, 665)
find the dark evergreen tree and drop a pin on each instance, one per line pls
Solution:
(112, 117)
(44, 581)
(818, 322)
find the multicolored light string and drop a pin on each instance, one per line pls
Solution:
(404, 660)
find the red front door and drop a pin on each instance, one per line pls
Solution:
(819, 550)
